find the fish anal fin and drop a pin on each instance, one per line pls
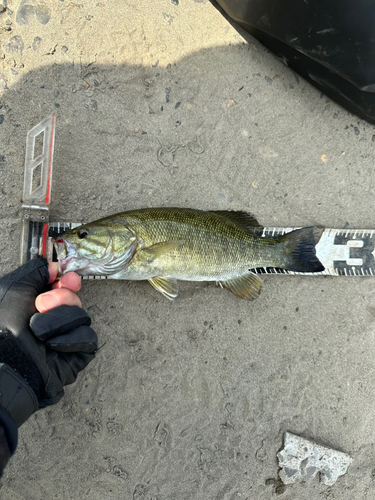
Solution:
(242, 219)
(247, 286)
(167, 286)
(158, 249)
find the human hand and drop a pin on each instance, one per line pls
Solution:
(63, 291)
(40, 352)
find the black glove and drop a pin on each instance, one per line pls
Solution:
(39, 353)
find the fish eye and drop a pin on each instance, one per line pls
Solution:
(82, 233)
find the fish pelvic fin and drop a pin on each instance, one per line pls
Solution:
(154, 251)
(299, 248)
(247, 286)
(167, 286)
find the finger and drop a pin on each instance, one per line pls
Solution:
(56, 298)
(71, 281)
(53, 269)
(58, 321)
(82, 339)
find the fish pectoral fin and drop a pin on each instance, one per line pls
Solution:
(247, 286)
(167, 286)
(154, 251)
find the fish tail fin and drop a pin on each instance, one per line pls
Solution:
(299, 250)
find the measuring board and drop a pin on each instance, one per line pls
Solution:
(37, 189)
(343, 252)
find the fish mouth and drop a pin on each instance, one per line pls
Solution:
(61, 253)
(66, 256)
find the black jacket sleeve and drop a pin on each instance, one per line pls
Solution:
(8, 437)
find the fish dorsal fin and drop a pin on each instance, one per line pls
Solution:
(154, 251)
(167, 286)
(242, 219)
(247, 286)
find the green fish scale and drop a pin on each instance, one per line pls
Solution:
(214, 247)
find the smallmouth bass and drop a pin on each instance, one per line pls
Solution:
(163, 245)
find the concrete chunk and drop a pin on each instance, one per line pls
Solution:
(301, 459)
